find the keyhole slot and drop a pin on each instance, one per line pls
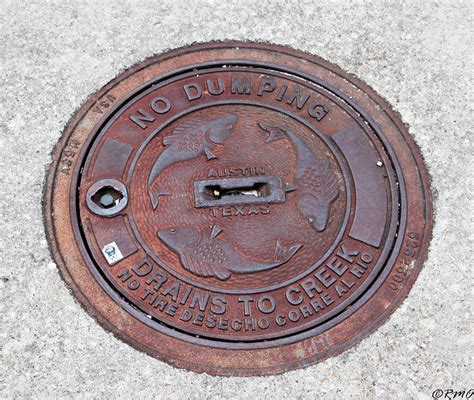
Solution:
(107, 197)
(216, 192)
(245, 190)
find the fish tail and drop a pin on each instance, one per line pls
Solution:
(282, 254)
(155, 191)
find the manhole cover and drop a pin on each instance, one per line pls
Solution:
(238, 208)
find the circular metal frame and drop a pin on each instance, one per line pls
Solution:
(378, 302)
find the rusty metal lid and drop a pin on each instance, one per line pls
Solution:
(238, 208)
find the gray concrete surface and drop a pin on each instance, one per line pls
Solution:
(53, 55)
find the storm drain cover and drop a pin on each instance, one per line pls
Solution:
(238, 208)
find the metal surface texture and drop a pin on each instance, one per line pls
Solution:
(238, 208)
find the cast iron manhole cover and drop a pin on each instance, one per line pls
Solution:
(238, 208)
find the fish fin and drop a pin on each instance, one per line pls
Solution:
(282, 254)
(329, 188)
(329, 180)
(274, 132)
(317, 202)
(190, 264)
(215, 231)
(209, 154)
(203, 268)
(222, 274)
(170, 139)
(189, 127)
(155, 192)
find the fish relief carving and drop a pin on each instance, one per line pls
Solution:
(189, 140)
(203, 254)
(315, 182)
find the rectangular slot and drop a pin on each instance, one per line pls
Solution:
(248, 190)
(217, 192)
